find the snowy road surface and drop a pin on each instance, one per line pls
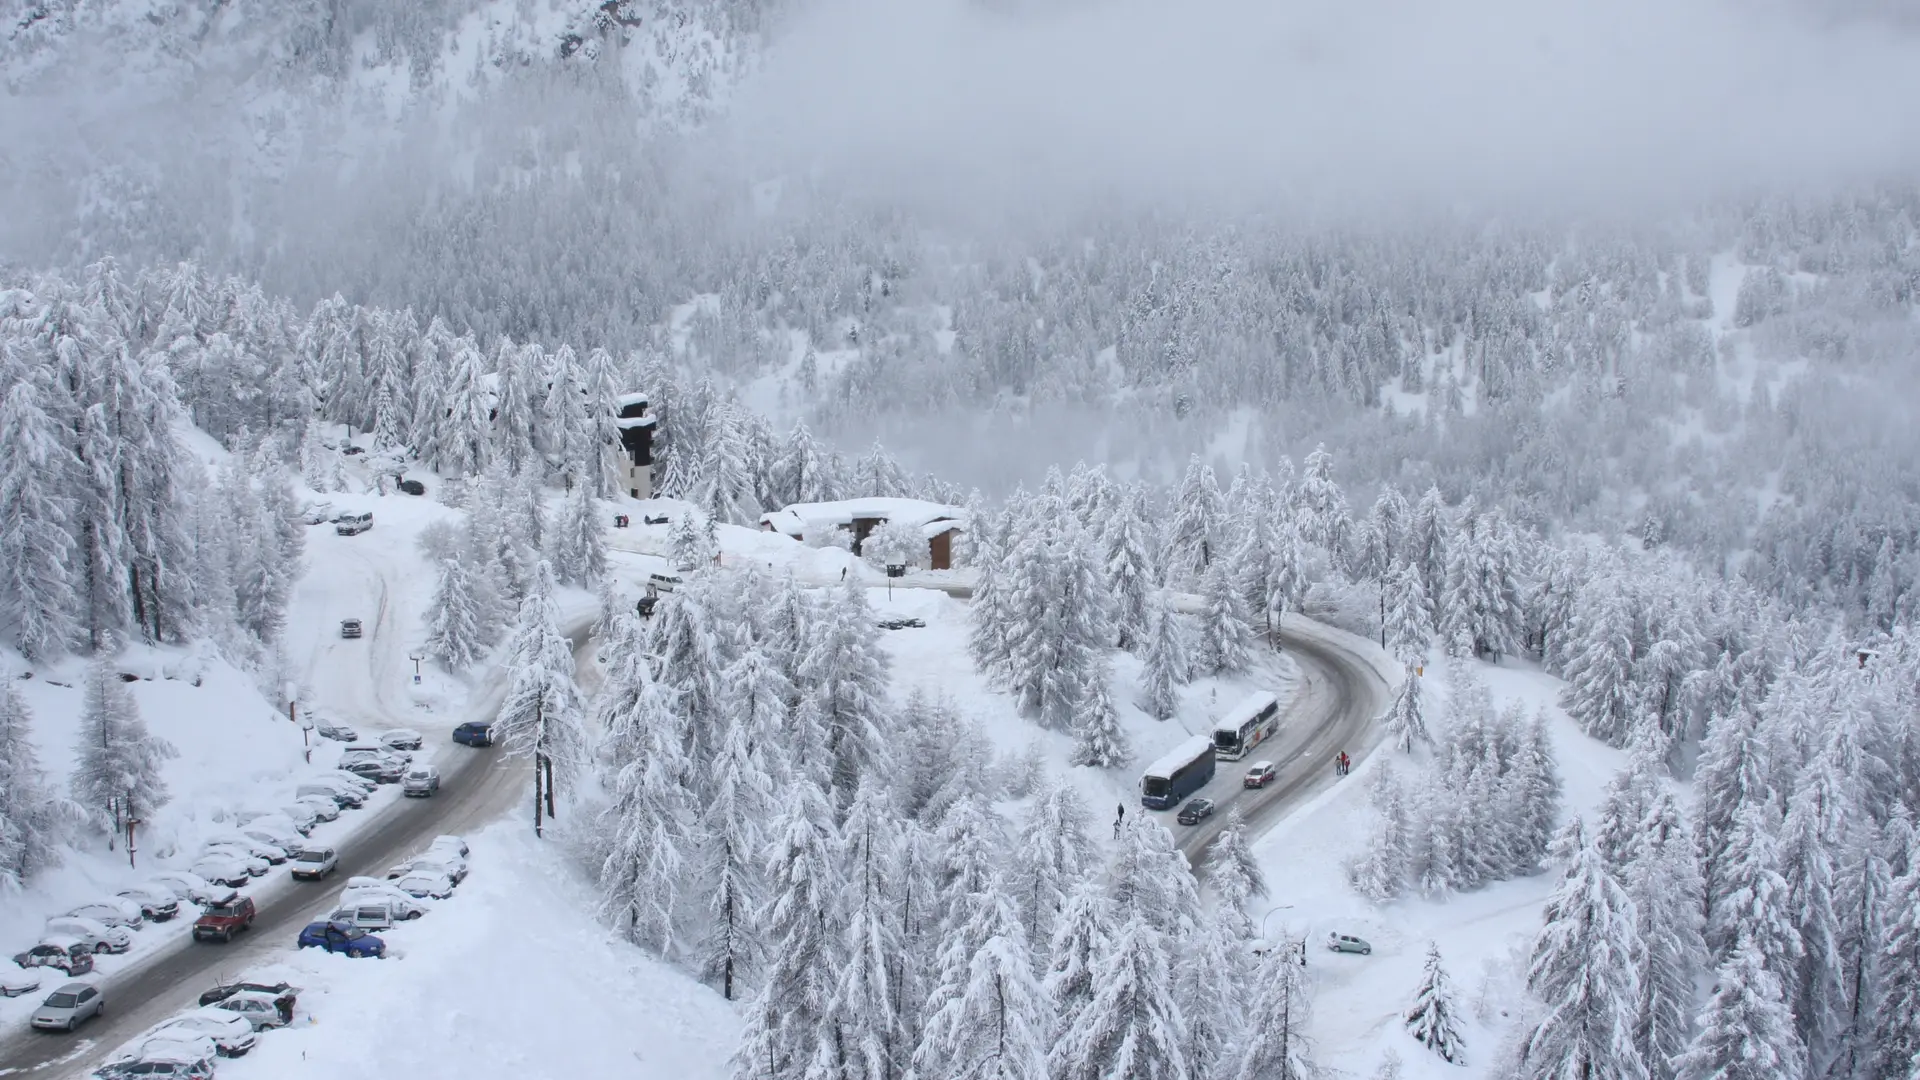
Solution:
(1339, 694)
(476, 788)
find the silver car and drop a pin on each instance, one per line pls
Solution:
(1348, 943)
(68, 1007)
(260, 1010)
(231, 1034)
(421, 782)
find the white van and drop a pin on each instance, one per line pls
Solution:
(370, 915)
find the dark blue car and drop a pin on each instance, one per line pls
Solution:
(474, 733)
(341, 938)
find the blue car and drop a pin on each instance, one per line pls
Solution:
(474, 733)
(338, 937)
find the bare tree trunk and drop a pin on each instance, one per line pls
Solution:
(537, 804)
(546, 766)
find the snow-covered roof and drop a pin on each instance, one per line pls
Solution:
(635, 398)
(930, 517)
(632, 422)
(1188, 750)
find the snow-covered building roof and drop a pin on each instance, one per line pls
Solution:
(629, 423)
(801, 518)
(635, 398)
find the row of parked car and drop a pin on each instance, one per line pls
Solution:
(370, 904)
(226, 1022)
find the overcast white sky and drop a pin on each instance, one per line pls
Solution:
(1350, 103)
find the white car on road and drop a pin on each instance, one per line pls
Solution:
(314, 863)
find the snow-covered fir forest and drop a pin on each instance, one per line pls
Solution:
(1667, 459)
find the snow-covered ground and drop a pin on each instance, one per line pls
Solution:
(1483, 935)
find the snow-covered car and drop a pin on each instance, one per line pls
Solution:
(232, 1035)
(332, 788)
(221, 867)
(158, 903)
(349, 628)
(353, 780)
(432, 862)
(111, 910)
(274, 828)
(361, 891)
(251, 846)
(187, 886)
(316, 514)
(18, 981)
(171, 1056)
(449, 842)
(425, 883)
(260, 1010)
(322, 807)
(379, 770)
(402, 739)
(359, 752)
(371, 915)
(98, 935)
(338, 732)
(68, 954)
(303, 819)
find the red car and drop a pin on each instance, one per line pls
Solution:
(1259, 775)
(223, 918)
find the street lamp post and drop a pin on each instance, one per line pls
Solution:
(131, 822)
(416, 657)
(1290, 941)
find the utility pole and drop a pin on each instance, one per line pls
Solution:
(131, 822)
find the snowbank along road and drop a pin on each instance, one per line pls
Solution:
(476, 787)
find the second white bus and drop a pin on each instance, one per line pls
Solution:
(1246, 726)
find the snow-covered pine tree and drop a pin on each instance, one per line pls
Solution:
(1481, 604)
(1532, 796)
(1235, 875)
(1807, 845)
(862, 1022)
(1662, 878)
(1082, 934)
(1746, 1032)
(542, 716)
(1164, 666)
(991, 612)
(32, 817)
(1582, 970)
(1192, 535)
(1099, 742)
(1755, 903)
(688, 544)
(1599, 664)
(650, 818)
(987, 1016)
(730, 835)
(37, 599)
(1130, 1023)
(687, 644)
(1409, 621)
(1276, 1046)
(1226, 639)
(1130, 572)
(1433, 1019)
(455, 618)
(116, 773)
(579, 549)
(788, 1019)
(1732, 764)
(1406, 722)
(1896, 1032)
(1049, 857)
(1381, 873)
(1866, 881)
(1426, 549)
(846, 675)
(1324, 520)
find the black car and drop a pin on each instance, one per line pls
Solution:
(226, 990)
(1196, 812)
